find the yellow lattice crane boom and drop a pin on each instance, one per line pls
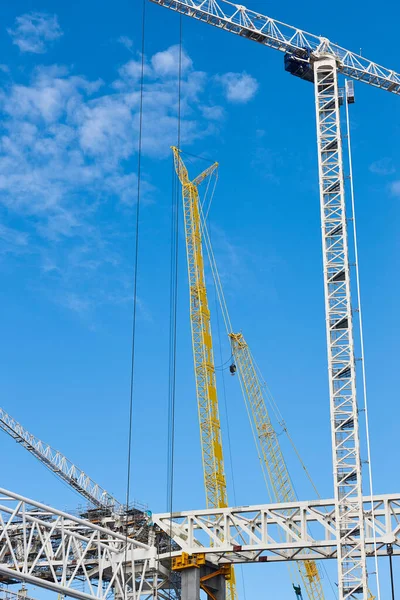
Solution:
(204, 368)
(270, 450)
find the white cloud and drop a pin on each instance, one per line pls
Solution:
(395, 188)
(13, 237)
(384, 166)
(76, 303)
(33, 31)
(126, 41)
(64, 134)
(68, 149)
(238, 87)
(213, 113)
(169, 62)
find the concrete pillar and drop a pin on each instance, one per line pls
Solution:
(190, 584)
(190, 581)
(216, 584)
(218, 587)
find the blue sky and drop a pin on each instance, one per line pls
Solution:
(68, 154)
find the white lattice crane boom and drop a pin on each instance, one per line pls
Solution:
(286, 38)
(316, 59)
(59, 464)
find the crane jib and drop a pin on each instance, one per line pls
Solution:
(286, 38)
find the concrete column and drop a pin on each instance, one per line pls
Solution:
(216, 584)
(190, 584)
(218, 587)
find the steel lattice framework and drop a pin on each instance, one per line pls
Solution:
(206, 386)
(270, 32)
(58, 463)
(316, 59)
(280, 532)
(74, 557)
(57, 551)
(341, 361)
(270, 449)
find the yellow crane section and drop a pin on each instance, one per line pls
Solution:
(270, 451)
(204, 368)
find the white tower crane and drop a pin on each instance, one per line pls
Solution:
(316, 59)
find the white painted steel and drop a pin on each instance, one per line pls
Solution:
(279, 532)
(58, 463)
(352, 571)
(267, 31)
(52, 549)
(60, 552)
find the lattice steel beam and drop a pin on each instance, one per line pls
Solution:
(254, 26)
(55, 550)
(279, 532)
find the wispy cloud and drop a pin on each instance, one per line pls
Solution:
(395, 188)
(126, 41)
(64, 134)
(33, 32)
(213, 113)
(238, 87)
(67, 155)
(384, 166)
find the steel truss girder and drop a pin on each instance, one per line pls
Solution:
(347, 474)
(52, 549)
(279, 532)
(58, 464)
(259, 28)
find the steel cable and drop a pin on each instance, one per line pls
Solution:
(173, 317)
(135, 281)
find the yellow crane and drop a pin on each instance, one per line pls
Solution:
(204, 368)
(266, 438)
(206, 389)
(270, 451)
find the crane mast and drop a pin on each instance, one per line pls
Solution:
(316, 59)
(352, 573)
(204, 369)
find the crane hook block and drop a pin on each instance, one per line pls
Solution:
(297, 591)
(232, 369)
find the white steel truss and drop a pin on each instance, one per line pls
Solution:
(58, 463)
(267, 31)
(279, 532)
(52, 549)
(339, 324)
(316, 59)
(57, 551)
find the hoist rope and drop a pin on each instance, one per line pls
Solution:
(360, 321)
(212, 197)
(228, 429)
(173, 316)
(135, 281)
